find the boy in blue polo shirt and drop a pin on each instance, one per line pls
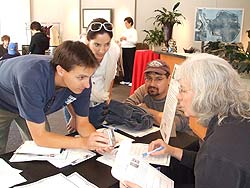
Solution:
(33, 86)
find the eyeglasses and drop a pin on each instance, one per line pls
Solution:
(97, 26)
(181, 90)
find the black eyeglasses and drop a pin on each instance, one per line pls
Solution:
(97, 26)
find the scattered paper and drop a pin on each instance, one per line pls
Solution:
(74, 180)
(135, 133)
(137, 170)
(74, 156)
(137, 149)
(9, 176)
(118, 137)
(29, 151)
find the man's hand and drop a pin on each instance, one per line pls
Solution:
(71, 125)
(127, 184)
(123, 38)
(99, 141)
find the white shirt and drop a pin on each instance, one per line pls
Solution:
(105, 74)
(131, 35)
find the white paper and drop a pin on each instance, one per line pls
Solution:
(74, 156)
(9, 176)
(118, 137)
(58, 180)
(135, 133)
(136, 170)
(74, 180)
(30, 151)
(170, 108)
(80, 181)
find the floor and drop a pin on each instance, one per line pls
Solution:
(56, 119)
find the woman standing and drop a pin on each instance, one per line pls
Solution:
(107, 53)
(128, 44)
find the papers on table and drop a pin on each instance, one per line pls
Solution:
(72, 181)
(137, 170)
(136, 150)
(9, 176)
(74, 156)
(29, 151)
(118, 137)
(135, 133)
(167, 120)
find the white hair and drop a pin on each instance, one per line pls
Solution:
(217, 88)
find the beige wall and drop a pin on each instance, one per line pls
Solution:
(184, 34)
(67, 12)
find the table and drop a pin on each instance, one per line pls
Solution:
(142, 57)
(92, 170)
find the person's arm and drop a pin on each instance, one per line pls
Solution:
(137, 97)
(90, 140)
(157, 115)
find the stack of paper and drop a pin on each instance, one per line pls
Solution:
(72, 181)
(9, 176)
(29, 151)
(137, 170)
(136, 150)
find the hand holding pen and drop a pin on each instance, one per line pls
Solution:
(153, 151)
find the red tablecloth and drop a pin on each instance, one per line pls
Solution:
(142, 57)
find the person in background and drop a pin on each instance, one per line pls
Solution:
(152, 95)
(211, 90)
(128, 44)
(4, 46)
(12, 51)
(39, 41)
(33, 86)
(107, 52)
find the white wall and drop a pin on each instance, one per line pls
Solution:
(13, 16)
(121, 9)
(68, 13)
(184, 34)
(65, 12)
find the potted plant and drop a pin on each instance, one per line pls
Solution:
(167, 19)
(154, 37)
(232, 52)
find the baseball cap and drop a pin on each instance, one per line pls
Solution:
(12, 48)
(158, 66)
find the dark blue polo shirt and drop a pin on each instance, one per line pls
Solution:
(27, 87)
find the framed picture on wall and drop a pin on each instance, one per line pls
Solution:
(218, 24)
(89, 14)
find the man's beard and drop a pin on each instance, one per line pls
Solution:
(153, 91)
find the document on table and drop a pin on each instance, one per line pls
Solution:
(74, 156)
(135, 133)
(9, 176)
(72, 181)
(137, 170)
(137, 149)
(118, 137)
(170, 108)
(29, 151)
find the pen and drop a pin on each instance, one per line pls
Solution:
(155, 150)
(38, 155)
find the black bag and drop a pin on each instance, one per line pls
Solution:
(132, 116)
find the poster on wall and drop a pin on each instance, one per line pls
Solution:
(218, 24)
(89, 14)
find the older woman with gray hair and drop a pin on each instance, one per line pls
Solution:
(211, 90)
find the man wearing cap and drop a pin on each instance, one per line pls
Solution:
(152, 95)
(12, 51)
